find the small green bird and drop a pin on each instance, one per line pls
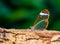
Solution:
(42, 20)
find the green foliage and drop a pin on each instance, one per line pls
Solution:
(22, 13)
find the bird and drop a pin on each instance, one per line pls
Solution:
(41, 21)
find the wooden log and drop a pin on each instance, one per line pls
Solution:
(21, 36)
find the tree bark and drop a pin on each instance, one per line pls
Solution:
(21, 36)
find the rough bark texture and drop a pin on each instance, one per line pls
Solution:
(12, 36)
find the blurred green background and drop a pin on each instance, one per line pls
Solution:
(22, 13)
